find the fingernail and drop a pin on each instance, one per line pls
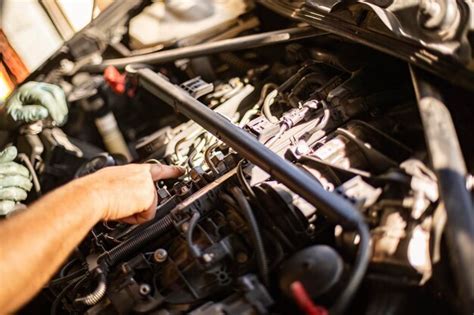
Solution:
(182, 169)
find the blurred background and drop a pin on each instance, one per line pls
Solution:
(32, 30)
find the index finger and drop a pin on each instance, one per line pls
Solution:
(161, 171)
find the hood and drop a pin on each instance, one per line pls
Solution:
(435, 35)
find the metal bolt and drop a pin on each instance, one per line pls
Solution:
(311, 228)
(125, 268)
(160, 255)
(242, 257)
(185, 227)
(144, 289)
(207, 257)
(302, 148)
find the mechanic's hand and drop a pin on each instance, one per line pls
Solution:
(34, 101)
(128, 192)
(15, 181)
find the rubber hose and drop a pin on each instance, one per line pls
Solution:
(189, 235)
(361, 263)
(266, 108)
(62, 294)
(255, 232)
(307, 81)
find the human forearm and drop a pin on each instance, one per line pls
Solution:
(34, 243)
(38, 240)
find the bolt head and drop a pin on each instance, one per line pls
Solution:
(207, 257)
(242, 257)
(185, 227)
(160, 255)
(144, 289)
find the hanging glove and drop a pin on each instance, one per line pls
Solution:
(34, 101)
(15, 181)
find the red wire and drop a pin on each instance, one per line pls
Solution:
(304, 301)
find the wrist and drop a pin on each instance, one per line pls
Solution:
(87, 192)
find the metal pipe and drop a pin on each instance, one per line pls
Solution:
(448, 163)
(233, 44)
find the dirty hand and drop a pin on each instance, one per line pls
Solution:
(34, 101)
(15, 181)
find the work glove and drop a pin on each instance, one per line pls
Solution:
(15, 181)
(34, 101)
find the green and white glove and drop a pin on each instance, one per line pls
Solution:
(34, 101)
(15, 181)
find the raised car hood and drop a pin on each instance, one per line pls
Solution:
(431, 34)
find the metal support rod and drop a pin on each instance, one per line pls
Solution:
(233, 44)
(448, 163)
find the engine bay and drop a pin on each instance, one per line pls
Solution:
(308, 176)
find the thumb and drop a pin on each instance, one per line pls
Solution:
(29, 113)
(161, 171)
(8, 154)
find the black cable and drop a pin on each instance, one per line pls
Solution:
(60, 296)
(229, 200)
(62, 273)
(243, 182)
(248, 189)
(207, 158)
(195, 251)
(95, 296)
(255, 232)
(68, 277)
(303, 84)
(78, 285)
(359, 268)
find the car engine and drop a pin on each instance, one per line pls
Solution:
(311, 186)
